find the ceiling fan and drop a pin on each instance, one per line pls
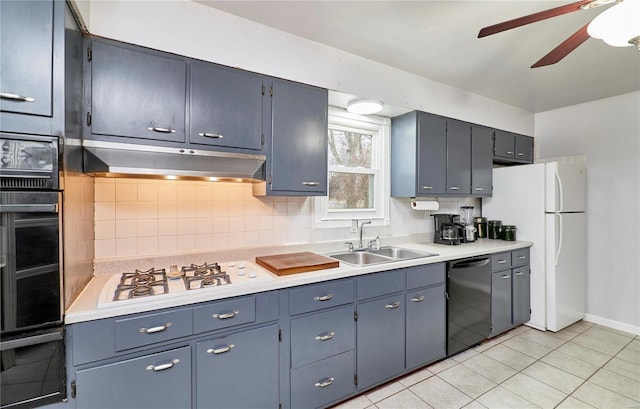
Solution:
(619, 26)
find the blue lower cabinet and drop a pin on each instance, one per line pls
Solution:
(426, 326)
(381, 339)
(323, 382)
(161, 380)
(238, 370)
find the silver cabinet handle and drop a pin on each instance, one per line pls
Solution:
(520, 154)
(211, 135)
(427, 187)
(454, 188)
(311, 183)
(162, 367)
(323, 383)
(502, 261)
(325, 336)
(519, 273)
(506, 276)
(480, 189)
(159, 328)
(15, 97)
(162, 130)
(392, 305)
(323, 297)
(220, 350)
(226, 315)
(522, 257)
(509, 153)
(418, 299)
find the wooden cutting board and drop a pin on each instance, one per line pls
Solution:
(293, 263)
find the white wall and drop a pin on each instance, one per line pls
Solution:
(607, 131)
(194, 30)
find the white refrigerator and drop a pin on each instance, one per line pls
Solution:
(546, 203)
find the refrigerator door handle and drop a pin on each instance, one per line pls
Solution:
(559, 231)
(560, 192)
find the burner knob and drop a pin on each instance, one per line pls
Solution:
(252, 274)
(240, 265)
(231, 264)
(240, 272)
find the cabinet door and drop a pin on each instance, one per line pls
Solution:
(425, 325)
(521, 295)
(26, 63)
(500, 301)
(238, 370)
(226, 107)
(504, 144)
(432, 155)
(137, 93)
(481, 161)
(161, 380)
(299, 118)
(380, 339)
(458, 157)
(524, 148)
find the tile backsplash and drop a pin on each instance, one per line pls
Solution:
(138, 217)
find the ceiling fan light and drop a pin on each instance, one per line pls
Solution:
(618, 24)
(364, 106)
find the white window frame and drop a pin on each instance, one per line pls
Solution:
(380, 159)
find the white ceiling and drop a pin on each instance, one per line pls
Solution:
(438, 40)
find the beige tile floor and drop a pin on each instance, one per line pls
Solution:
(582, 366)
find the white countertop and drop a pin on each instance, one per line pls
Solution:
(85, 307)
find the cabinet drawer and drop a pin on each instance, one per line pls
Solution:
(321, 335)
(423, 276)
(373, 285)
(318, 296)
(323, 382)
(152, 328)
(161, 380)
(224, 314)
(520, 257)
(500, 261)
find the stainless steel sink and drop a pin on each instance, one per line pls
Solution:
(383, 255)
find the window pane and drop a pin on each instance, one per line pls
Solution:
(350, 191)
(351, 149)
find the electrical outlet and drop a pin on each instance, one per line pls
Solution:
(354, 226)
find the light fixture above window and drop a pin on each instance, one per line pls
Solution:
(364, 106)
(619, 25)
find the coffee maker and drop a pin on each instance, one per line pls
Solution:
(447, 229)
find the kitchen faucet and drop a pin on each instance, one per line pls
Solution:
(361, 246)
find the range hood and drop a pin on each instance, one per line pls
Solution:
(109, 159)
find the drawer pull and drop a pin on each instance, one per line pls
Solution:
(211, 135)
(220, 350)
(161, 130)
(520, 154)
(454, 188)
(325, 336)
(509, 153)
(15, 97)
(311, 183)
(162, 367)
(519, 273)
(159, 328)
(226, 315)
(418, 299)
(323, 297)
(323, 383)
(502, 261)
(479, 189)
(392, 305)
(427, 187)
(522, 257)
(506, 276)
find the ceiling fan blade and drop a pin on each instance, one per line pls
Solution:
(564, 48)
(532, 18)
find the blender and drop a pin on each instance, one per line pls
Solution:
(466, 220)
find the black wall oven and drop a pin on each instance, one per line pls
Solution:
(31, 316)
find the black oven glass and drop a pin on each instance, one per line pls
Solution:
(31, 293)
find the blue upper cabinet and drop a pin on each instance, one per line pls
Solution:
(136, 93)
(481, 160)
(226, 107)
(458, 158)
(32, 67)
(510, 147)
(297, 139)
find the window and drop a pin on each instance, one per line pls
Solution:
(358, 186)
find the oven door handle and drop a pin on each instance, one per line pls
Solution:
(29, 208)
(4, 251)
(34, 340)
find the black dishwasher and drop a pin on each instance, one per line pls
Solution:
(468, 303)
